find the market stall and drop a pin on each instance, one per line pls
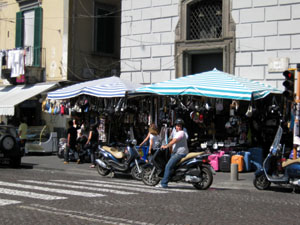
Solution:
(103, 100)
(221, 111)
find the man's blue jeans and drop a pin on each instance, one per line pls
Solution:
(175, 158)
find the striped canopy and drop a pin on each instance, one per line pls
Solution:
(214, 84)
(105, 88)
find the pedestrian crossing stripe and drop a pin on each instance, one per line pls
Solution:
(60, 191)
(29, 194)
(64, 188)
(78, 186)
(105, 185)
(8, 202)
(175, 188)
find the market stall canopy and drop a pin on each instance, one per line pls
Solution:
(12, 95)
(104, 88)
(214, 84)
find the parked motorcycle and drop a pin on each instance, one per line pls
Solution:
(126, 160)
(194, 169)
(277, 170)
(83, 152)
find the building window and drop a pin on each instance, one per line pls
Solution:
(204, 19)
(105, 24)
(204, 37)
(29, 34)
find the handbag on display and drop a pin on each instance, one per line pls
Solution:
(251, 108)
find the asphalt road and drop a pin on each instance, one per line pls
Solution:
(45, 191)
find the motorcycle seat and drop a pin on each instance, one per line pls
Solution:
(290, 161)
(114, 151)
(190, 155)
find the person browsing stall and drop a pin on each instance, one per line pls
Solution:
(71, 143)
(179, 148)
(152, 126)
(154, 138)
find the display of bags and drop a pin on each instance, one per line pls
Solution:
(238, 159)
(224, 163)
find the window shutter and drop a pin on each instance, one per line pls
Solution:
(19, 29)
(38, 21)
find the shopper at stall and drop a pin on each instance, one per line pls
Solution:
(22, 132)
(71, 143)
(152, 126)
(92, 142)
(179, 150)
(154, 139)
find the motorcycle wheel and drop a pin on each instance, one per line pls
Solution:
(135, 173)
(146, 177)
(102, 171)
(261, 182)
(207, 179)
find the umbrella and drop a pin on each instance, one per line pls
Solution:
(214, 84)
(104, 88)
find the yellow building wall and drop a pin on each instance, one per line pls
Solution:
(8, 23)
(53, 16)
(52, 34)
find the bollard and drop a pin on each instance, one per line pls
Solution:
(234, 175)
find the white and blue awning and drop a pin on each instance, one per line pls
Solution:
(12, 95)
(214, 84)
(109, 87)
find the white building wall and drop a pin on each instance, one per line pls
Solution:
(148, 40)
(266, 30)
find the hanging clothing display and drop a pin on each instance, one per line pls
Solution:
(16, 62)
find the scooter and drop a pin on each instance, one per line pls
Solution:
(277, 170)
(83, 152)
(194, 168)
(126, 160)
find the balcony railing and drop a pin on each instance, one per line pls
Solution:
(34, 63)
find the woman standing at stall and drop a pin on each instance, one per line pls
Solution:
(154, 139)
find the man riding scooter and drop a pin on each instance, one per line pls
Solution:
(179, 150)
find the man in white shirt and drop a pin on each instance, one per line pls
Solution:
(179, 150)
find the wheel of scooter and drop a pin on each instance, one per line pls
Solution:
(261, 182)
(206, 179)
(102, 171)
(135, 173)
(150, 181)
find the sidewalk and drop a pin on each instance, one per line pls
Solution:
(53, 163)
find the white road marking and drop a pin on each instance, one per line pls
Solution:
(182, 188)
(99, 184)
(101, 219)
(8, 202)
(60, 191)
(77, 186)
(28, 194)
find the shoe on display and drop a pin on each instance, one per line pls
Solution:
(65, 162)
(78, 161)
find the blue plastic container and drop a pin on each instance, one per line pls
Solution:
(256, 157)
(247, 160)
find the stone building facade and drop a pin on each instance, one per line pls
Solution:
(258, 39)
